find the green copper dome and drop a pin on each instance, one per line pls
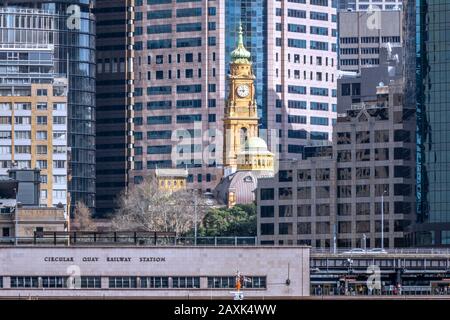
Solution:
(240, 54)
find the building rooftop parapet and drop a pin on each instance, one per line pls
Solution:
(365, 105)
(171, 172)
(27, 46)
(25, 10)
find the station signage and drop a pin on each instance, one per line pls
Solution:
(108, 259)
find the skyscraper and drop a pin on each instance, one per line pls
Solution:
(253, 15)
(301, 74)
(73, 38)
(114, 109)
(362, 194)
(362, 35)
(433, 117)
(182, 57)
(33, 103)
(179, 89)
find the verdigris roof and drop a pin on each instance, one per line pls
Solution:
(240, 54)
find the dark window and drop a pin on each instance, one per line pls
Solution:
(402, 154)
(5, 232)
(344, 156)
(345, 89)
(323, 174)
(285, 193)
(402, 190)
(402, 207)
(185, 282)
(285, 175)
(381, 189)
(267, 194)
(381, 136)
(402, 172)
(24, 282)
(402, 136)
(363, 173)
(322, 210)
(344, 173)
(154, 282)
(322, 192)
(344, 191)
(363, 209)
(304, 175)
(381, 154)
(345, 227)
(322, 227)
(304, 193)
(267, 211)
(362, 226)
(285, 211)
(122, 282)
(363, 155)
(382, 172)
(363, 137)
(304, 210)
(304, 228)
(363, 190)
(285, 228)
(91, 282)
(267, 229)
(344, 138)
(344, 209)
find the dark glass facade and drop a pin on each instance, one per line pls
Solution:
(75, 56)
(253, 16)
(433, 120)
(114, 108)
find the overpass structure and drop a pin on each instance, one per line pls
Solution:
(394, 272)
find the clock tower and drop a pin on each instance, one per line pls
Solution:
(241, 118)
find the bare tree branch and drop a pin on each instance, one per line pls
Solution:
(146, 207)
(83, 217)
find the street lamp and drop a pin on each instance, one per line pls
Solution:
(207, 195)
(195, 219)
(349, 270)
(382, 219)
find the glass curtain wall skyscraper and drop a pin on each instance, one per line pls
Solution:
(114, 107)
(74, 42)
(433, 118)
(253, 16)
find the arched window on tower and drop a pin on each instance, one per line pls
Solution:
(244, 136)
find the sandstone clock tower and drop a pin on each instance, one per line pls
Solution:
(241, 118)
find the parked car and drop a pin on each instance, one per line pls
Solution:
(355, 250)
(377, 250)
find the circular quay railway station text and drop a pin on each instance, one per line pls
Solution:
(107, 259)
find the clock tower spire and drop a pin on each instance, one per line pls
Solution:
(241, 118)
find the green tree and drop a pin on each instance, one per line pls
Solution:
(239, 221)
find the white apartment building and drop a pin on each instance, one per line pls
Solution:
(302, 68)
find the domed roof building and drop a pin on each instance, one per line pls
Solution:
(255, 156)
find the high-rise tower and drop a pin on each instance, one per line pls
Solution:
(433, 118)
(72, 33)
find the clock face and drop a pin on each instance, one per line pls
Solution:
(243, 90)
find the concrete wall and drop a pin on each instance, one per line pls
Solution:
(274, 263)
